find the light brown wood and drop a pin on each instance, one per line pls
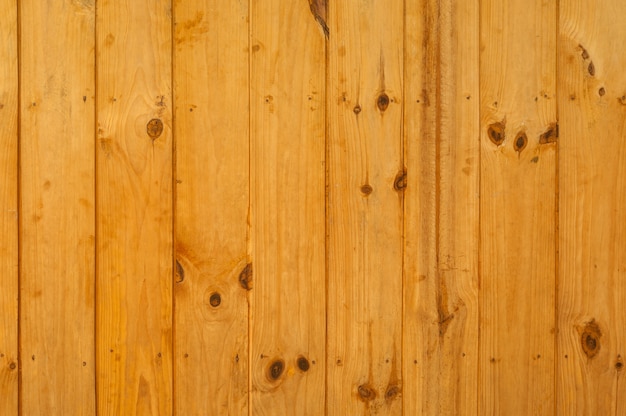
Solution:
(518, 136)
(365, 208)
(134, 208)
(57, 226)
(287, 288)
(440, 327)
(592, 228)
(211, 141)
(312, 207)
(8, 210)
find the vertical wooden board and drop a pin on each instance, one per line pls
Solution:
(134, 208)
(365, 207)
(8, 207)
(57, 225)
(517, 207)
(592, 199)
(211, 113)
(287, 188)
(440, 338)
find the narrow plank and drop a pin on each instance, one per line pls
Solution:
(365, 207)
(592, 197)
(211, 113)
(134, 208)
(8, 207)
(518, 135)
(57, 226)
(287, 194)
(440, 338)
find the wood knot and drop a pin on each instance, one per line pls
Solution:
(366, 189)
(382, 102)
(215, 299)
(245, 277)
(154, 128)
(550, 135)
(496, 133)
(303, 363)
(392, 392)
(592, 69)
(601, 92)
(180, 272)
(357, 109)
(520, 141)
(366, 393)
(399, 184)
(619, 365)
(275, 370)
(590, 339)
(12, 366)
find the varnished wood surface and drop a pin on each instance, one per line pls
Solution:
(404, 207)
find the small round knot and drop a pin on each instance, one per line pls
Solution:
(154, 128)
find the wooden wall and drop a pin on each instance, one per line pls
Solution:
(312, 207)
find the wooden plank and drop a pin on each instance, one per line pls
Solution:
(287, 179)
(212, 121)
(57, 226)
(592, 196)
(8, 209)
(440, 338)
(134, 208)
(517, 208)
(365, 207)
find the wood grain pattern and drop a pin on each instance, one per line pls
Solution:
(134, 208)
(365, 208)
(8, 209)
(287, 292)
(440, 327)
(211, 134)
(592, 228)
(517, 207)
(57, 226)
(312, 207)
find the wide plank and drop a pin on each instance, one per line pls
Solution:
(592, 200)
(211, 141)
(365, 207)
(57, 207)
(518, 134)
(441, 147)
(134, 208)
(286, 277)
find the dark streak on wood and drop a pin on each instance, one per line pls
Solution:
(319, 9)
